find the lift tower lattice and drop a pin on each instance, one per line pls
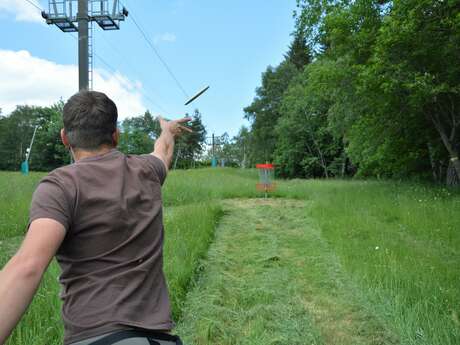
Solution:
(77, 16)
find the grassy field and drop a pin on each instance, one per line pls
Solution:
(388, 259)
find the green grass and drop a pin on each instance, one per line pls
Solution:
(15, 194)
(270, 278)
(186, 241)
(42, 324)
(209, 185)
(401, 245)
(397, 246)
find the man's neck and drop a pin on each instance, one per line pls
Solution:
(80, 154)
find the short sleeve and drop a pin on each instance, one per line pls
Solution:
(157, 165)
(49, 201)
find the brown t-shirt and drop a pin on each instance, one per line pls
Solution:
(112, 255)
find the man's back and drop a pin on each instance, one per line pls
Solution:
(111, 258)
(102, 219)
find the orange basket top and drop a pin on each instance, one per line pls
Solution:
(265, 166)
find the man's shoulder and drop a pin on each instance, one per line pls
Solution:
(156, 165)
(64, 176)
(148, 158)
(61, 172)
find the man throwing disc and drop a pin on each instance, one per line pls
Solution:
(102, 219)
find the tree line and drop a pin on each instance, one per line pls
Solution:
(368, 88)
(137, 136)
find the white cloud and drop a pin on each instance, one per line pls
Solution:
(165, 37)
(23, 11)
(125, 93)
(25, 79)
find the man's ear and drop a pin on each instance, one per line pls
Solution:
(116, 137)
(64, 138)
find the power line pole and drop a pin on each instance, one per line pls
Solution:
(83, 59)
(215, 140)
(213, 144)
(106, 13)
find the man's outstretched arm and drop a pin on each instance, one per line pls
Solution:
(21, 276)
(164, 145)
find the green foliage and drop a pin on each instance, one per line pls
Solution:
(48, 152)
(189, 146)
(137, 134)
(264, 111)
(389, 147)
(235, 152)
(380, 96)
(299, 51)
(16, 132)
(415, 69)
(306, 146)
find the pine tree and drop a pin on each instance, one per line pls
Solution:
(190, 145)
(299, 52)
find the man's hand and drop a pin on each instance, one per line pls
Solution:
(174, 127)
(164, 145)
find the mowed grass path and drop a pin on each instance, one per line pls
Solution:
(396, 247)
(271, 278)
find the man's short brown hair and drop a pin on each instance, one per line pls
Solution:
(90, 119)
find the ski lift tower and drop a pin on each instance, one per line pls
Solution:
(78, 16)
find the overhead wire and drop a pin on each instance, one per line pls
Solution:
(156, 52)
(35, 5)
(141, 90)
(115, 75)
(127, 63)
(154, 103)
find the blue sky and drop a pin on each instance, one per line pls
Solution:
(226, 45)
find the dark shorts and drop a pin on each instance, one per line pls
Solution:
(131, 337)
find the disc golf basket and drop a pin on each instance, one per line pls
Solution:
(266, 178)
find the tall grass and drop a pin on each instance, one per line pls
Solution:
(189, 231)
(15, 194)
(400, 244)
(42, 324)
(209, 185)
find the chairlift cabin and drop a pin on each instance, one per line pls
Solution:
(64, 14)
(107, 14)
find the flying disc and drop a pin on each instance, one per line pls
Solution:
(197, 95)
